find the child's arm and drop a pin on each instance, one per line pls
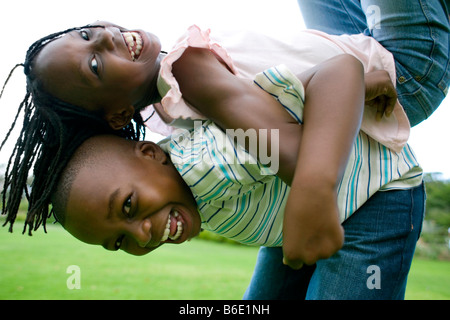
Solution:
(334, 102)
(311, 229)
(333, 108)
(236, 103)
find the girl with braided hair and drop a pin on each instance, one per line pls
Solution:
(52, 130)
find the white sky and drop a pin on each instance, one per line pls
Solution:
(24, 21)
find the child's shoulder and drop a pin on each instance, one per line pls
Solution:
(194, 45)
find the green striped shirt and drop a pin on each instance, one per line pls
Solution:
(241, 199)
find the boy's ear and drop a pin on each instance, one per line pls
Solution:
(152, 151)
(119, 119)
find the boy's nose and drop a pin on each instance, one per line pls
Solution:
(142, 232)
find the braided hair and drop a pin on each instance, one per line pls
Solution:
(51, 132)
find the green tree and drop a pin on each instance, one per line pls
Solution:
(437, 215)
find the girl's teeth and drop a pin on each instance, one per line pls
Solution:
(133, 40)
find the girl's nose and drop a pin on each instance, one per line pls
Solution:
(105, 39)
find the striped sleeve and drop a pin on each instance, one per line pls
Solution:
(239, 199)
(371, 166)
(235, 195)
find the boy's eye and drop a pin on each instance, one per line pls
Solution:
(84, 35)
(94, 65)
(127, 206)
(118, 243)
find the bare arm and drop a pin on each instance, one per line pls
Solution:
(236, 103)
(334, 102)
(333, 108)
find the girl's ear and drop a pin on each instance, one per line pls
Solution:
(151, 150)
(119, 119)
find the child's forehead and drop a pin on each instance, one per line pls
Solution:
(58, 56)
(97, 175)
(65, 50)
(106, 152)
(59, 43)
(102, 162)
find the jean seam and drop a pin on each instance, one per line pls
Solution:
(441, 83)
(396, 289)
(444, 81)
(355, 25)
(404, 267)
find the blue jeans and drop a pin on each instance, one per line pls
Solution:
(416, 32)
(380, 240)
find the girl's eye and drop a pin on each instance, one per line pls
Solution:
(127, 207)
(84, 35)
(94, 65)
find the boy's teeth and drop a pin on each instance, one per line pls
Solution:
(179, 231)
(166, 234)
(166, 231)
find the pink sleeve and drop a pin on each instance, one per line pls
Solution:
(392, 131)
(172, 100)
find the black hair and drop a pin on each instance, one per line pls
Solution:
(92, 154)
(84, 156)
(51, 132)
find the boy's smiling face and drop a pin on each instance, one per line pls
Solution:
(102, 69)
(128, 197)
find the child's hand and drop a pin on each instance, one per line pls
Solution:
(312, 229)
(380, 92)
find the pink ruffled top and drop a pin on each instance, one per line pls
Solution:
(298, 55)
(172, 101)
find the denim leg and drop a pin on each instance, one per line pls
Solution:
(380, 240)
(272, 280)
(333, 16)
(416, 32)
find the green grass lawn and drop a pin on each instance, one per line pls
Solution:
(35, 268)
(429, 280)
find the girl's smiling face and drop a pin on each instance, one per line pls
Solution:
(107, 69)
